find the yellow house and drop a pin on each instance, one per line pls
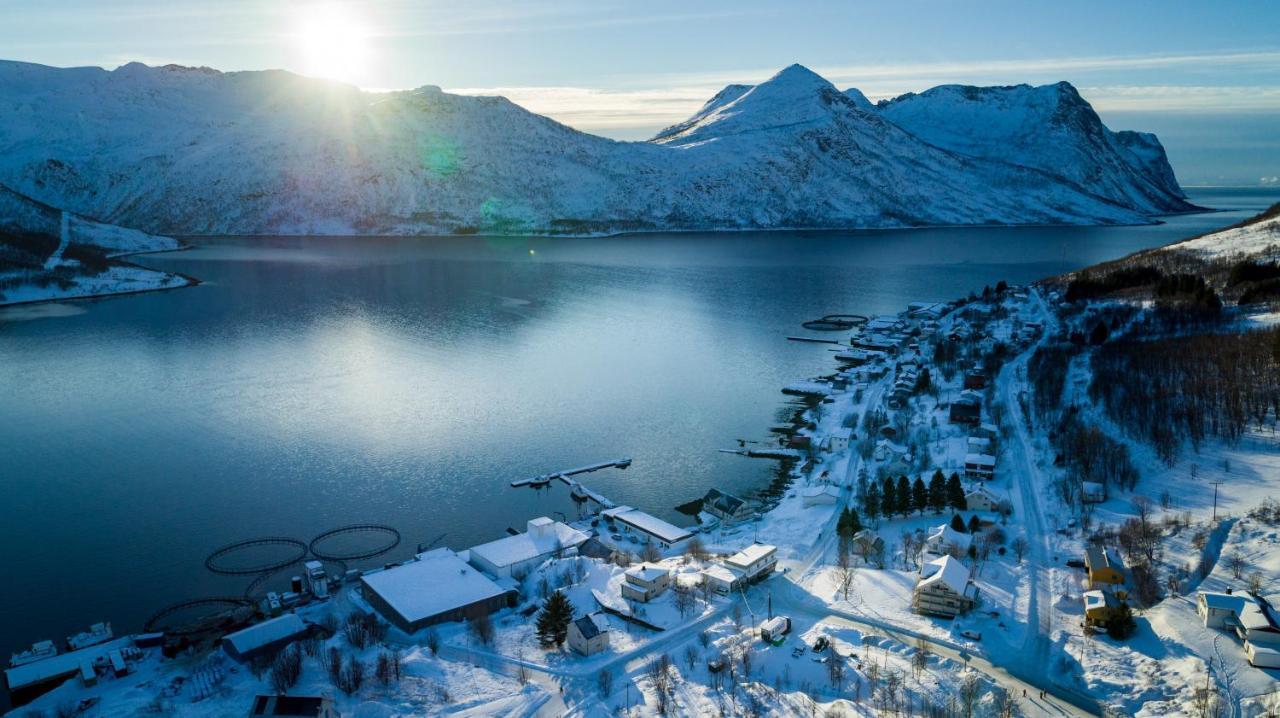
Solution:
(1099, 607)
(1104, 568)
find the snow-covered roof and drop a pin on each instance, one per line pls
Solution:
(651, 525)
(267, 632)
(948, 571)
(60, 665)
(944, 535)
(1245, 607)
(750, 555)
(591, 625)
(647, 572)
(1098, 599)
(438, 581)
(544, 538)
(720, 573)
(981, 491)
(979, 459)
(843, 432)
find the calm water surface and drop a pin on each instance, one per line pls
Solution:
(319, 381)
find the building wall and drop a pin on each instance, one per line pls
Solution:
(496, 603)
(940, 601)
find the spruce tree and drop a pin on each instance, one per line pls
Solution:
(888, 498)
(855, 522)
(957, 523)
(871, 501)
(975, 524)
(938, 492)
(903, 493)
(955, 493)
(553, 621)
(919, 495)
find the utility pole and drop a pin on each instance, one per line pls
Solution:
(1216, 484)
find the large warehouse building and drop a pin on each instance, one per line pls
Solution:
(437, 587)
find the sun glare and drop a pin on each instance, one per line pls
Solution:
(331, 42)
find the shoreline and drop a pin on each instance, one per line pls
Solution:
(189, 280)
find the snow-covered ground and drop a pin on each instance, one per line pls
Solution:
(116, 279)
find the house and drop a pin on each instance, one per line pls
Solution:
(515, 556)
(265, 638)
(824, 494)
(841, 438)
(979, 466)
(943, 539)
(1099, 607)
(294, 707)
(1262, 656)
(1240, 613)
(645, 581)
(985, 431)
(589, 635)
(966, 410)
(726, 507)
(867, 543)
(1093, 492)
(978, 445)
(754, 561)
(981, 499)
(1103, 567)
(650, 529)
(889, 451)
(437, 586)
(975, 380)
(944, 588)
(720, 579)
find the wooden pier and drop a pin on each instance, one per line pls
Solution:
(576, 487)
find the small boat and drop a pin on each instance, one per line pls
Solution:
(97, 633)
(579, 492)
(540, 481)
(38, 652)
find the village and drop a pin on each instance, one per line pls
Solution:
(922, 560)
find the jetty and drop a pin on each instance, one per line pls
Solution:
(576, 488)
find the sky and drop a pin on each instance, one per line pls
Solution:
(1204, 76)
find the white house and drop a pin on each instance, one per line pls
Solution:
(720, 579)
(942, 538)
(753, 561)
(825, 494)
(979, 466)
(516, 555)
(841, 438)
(645, 581)
(981, 499)
(1240, 613)
(589, 635)
(726, 507)
(944, 588)
(650, 529)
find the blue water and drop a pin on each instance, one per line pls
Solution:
(312, 382)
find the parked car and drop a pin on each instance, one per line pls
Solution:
(972, 635)
(1075, 563)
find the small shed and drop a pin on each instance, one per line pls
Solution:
(264, 638)
(589, 634)
(775, 628)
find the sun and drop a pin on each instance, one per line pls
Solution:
(331, 42)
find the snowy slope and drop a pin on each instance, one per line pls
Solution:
(192, 150)
(22, 215)
(1050, 128)
(1258, 237)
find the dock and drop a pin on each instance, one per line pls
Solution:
(576, 488)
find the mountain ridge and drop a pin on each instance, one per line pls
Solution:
(175, 150)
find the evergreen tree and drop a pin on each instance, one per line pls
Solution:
(888, 498)
(919, 495)
(849, 523)
(975, 524)
(938, 492)
(1121, 624)
(903, 493)
(554, 620)
(923, 381)
(957, 523)
(955, 492)
(871, 501)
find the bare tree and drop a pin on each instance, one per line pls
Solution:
(1236, 563)
(651, 553)
(1020, 546)
(604, 682)
(844, 569)
(835, 671)
(683, 599)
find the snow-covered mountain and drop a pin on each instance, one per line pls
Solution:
(177, 150)
(1050, 128)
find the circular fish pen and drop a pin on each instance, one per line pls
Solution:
(202, 610)
(219, 563)
(323, 546)
(835, 323)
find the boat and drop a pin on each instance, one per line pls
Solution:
(540, 481)
(97, 633)
(38, 652)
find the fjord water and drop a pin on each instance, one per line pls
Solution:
(314, 382)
